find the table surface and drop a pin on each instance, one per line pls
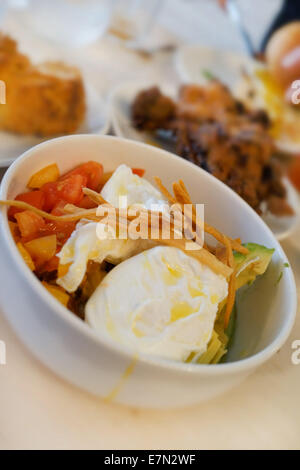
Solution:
(38, 410)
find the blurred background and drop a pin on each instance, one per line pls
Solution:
(194, 21)
(114, 41)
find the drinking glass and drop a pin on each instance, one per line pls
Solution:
(133, 20)
(70, 22)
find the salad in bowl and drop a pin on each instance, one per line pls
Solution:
(139, 262)
(177, 302)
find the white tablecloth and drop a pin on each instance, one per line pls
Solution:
(38, 410)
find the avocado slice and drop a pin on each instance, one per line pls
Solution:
(254, 264)
(249, 266)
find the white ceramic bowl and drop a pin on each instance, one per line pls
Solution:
(70, 348)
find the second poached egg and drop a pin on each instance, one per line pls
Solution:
(160, 302)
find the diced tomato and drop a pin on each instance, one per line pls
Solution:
(26, 256)
(47, 174)
(93, 171)
(41, 249)
(138, 171)
(30, 224)
(87, 203)
(61, 229)
(294, 173)
(34, 198)
(68, 189)
(51, 265)
(66, 228)
(58, 209)
(51, 198)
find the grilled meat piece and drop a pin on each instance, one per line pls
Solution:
(217, 132)
(152, 110)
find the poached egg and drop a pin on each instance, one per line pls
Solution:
(138, 191)
(166, 304)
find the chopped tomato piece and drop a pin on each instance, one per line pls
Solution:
(26, 256)
(93, 171)
(87, 203)
(48, 174)
(41, 249)
(34, 198)
(61, 229)
(51, 265)
(51, 197)
(67, 189)
(138, 171)
(58, 209)
(30, 224)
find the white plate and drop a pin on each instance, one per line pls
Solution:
(96, 122)
(120, 102)
(193, 61)
(283, 227)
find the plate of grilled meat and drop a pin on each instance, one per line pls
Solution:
(207, 125)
